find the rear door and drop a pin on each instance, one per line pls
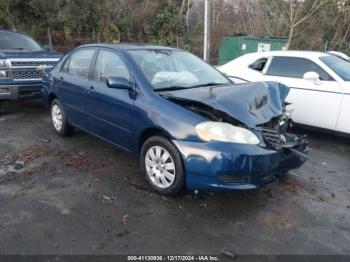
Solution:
(72, 82)
(110, 110)
(313, 104)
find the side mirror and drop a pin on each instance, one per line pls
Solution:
(117, 82)
(312, 76)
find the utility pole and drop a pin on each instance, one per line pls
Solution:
(50, 39)
(206, 30)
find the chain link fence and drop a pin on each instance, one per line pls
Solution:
(64, 42)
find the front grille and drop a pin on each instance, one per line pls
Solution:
(32, 63)
(272, 136)
(27, 69)
(234, 180)
(26, 74)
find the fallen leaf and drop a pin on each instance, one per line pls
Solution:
(125, 220)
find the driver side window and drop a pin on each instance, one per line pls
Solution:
(109, 64)
(295, 67)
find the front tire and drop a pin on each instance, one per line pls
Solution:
(59, 120)
(162, 166)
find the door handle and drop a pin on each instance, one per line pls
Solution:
(61, 78)
(91, 90)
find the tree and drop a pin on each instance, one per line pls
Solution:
(168, 24)
(307, 24)
(293, 16)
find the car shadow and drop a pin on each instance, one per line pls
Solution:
(316, 134)
(23, 106)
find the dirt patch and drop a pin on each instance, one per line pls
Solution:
(280, 220)
(86, 162)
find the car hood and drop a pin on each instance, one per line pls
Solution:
(28, 54)
(252, 104)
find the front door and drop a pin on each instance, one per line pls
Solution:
(313, 103)
(110, 110)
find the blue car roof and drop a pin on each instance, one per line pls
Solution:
(131, 46)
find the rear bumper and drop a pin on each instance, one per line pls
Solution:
(217, 166)
(20, 91)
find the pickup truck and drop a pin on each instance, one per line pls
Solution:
(22, 60)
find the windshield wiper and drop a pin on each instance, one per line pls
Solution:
(170, 88)
(209, 84)
(173, 88)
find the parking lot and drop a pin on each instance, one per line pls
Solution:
(79, 195)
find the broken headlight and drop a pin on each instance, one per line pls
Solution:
(225, 132)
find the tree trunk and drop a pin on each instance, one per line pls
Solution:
(290, 37)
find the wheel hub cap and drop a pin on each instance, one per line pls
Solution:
(160, 166)
(56, 117)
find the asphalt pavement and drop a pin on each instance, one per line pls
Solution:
(80, 195)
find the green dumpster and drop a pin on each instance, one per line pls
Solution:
(235, 46)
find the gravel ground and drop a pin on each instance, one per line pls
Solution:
(79, 195)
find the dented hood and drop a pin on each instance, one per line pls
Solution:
(252, 104)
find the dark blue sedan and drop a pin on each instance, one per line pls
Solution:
(189, 125)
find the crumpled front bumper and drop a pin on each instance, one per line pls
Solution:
(218, 166)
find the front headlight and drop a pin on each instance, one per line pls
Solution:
(3, 64)
(3, 74)
(225, 132)
(4, 69)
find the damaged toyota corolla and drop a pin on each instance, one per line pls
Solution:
(190, 126)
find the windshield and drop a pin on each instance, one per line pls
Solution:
(16, 41)
(173, 69)
(338, 65)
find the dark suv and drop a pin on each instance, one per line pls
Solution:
(21, 59)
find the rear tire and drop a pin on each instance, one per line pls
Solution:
(161, 165)
(59, 120)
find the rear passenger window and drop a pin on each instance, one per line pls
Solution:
(80, 62)
(259, 65)
(295, 67)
